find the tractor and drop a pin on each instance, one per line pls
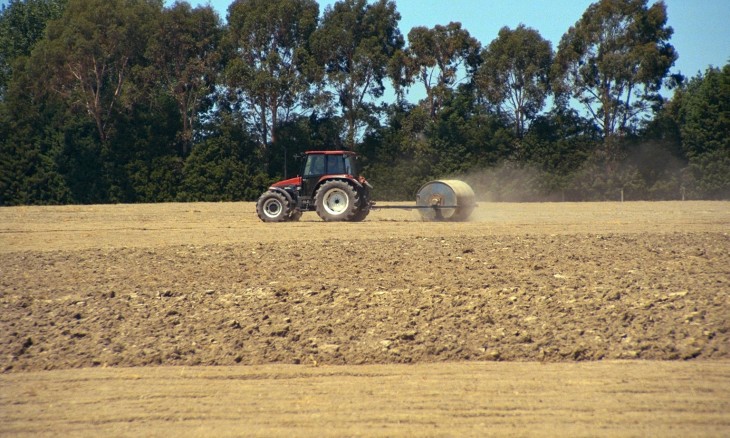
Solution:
(331, 184)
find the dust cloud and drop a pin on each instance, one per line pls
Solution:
(649, 172)
(509, 182)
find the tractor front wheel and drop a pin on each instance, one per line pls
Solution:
(273, 207)
(336, 201)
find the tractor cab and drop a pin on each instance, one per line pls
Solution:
(320, 165)
(330, 162)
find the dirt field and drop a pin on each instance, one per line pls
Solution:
(580, 319)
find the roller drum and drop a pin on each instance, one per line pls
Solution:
(454, 200)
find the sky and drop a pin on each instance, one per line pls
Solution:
(701, 29)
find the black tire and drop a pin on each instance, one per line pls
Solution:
(336, 201)
(364, 207)
(361, 214)
(295, 215)
(272, 206)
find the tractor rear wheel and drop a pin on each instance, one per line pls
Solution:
(273, 207)
(361, 214)
(336, 201)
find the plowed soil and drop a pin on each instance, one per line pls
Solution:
(130, 296)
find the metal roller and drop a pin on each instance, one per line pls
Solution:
(449, 199)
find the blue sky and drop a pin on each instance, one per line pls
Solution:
(701, 30)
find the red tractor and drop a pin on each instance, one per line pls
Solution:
(330, 184)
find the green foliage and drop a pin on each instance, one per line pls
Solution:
(399, 154)
(413, 148)
(126, 101)
(88, 54)
(30, 149)
(22, 24)
(184, 61)
(302, 134)
(270, 65)
(223, 167)
(710, 175)
(614, 62)
(434, 57)
(514, 74)
(704, 114)
(557, 145)
(146, 162)
(560, 141)
(467, 138)
(355, 43)
(29, 171)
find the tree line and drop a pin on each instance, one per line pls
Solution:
(106, 101)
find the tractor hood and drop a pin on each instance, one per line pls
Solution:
(296, 181)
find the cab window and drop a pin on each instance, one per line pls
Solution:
(350, 166)
(314, 166)
(335, 164)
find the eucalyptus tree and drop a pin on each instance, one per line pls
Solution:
(355, 43)
(184, 60)
(514, 74)
(89, 52)
(435, 57)
(270, 70)
(614, 62)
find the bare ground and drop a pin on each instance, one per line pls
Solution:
(634, 398)
(551, 295)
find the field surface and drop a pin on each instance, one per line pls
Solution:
(198, 319)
